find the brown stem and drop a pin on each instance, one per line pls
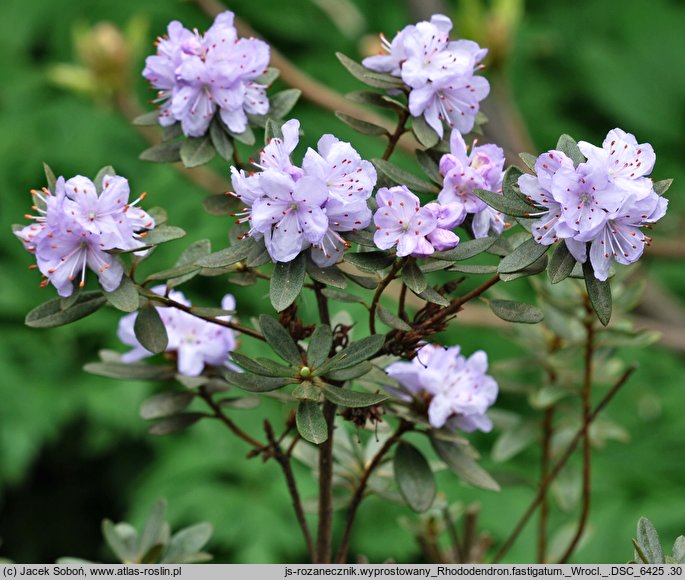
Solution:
(558, 466)
(547, 430)
(401, 307)
(454, 536)
(587, 448)
(283, 460)
(397, 265)
(395, 137)
(322, 303)
(358, 495)
(219, 414)
(225, 323)
(470, 519)
(325, 531)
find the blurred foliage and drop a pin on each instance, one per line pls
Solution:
(72, 447)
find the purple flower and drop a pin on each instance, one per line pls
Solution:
(483, 168)
(294, 208)
(604, 201)
(290, 215)
(447, 217)
(458, 389)
(198, 75)
(194, 341)
(401, 221)
(76, 228)
(440, 73)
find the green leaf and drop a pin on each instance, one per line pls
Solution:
(170, 132)
(376, 100)
(361, 237)
(132, 371)
(413, 277)
(510, 186)
(220, 140)
(150, 330)
(529, 160)
(282, 103)
(272, 130)
(186, 543)
(331, 276)
(342, 296)
(599, 293)
(473, 269)
(353, 399)
(307, 391)
(100, 175)
(512, 441)
(153, 532)
(522, 256)
(147, 119)
(164, 234)
(287, 280)
(540, 265)
(163, 153)
(363, 127)
(271, 370)
(354, 353)
(433, 296)
(401, 177)
(197, 151)
(256, 383)
(516, 311)
(364, 281)
(648, 540)
(279, 340)
(369, 261)
(228, 256)
(507, 205)
(177, 272)
(125, 297)
(661, 187)
(319, 346)
(153, 555)
(465, 250)
(561, 264)
(679, 550)
(219, 204)
(311, 423)
(393, 321)
(122, 539)
(50, 313)
(175, 423)
(368, 77)
(414, 477)
(196, 251)
(350, 373)
(239, 402)
(247, 136)
(425, 134)
(165, 404)
(50, 178)
(429, 166)
(459, 461)
(268, 77)
(568, 145)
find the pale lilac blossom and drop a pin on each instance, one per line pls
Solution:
(200, 75)
(194, 342)
(457, 389)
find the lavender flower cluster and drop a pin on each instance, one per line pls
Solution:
(76, 229)
(295, 208)
(603, 202)
(197, 74)
(457, 389)
(194, 342)
(439, 73)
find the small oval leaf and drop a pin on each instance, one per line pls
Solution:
(150, 330)
(311, 423)
(512, 311)
(287, 280)
(414, 477)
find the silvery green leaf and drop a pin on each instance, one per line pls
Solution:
(125, 297)
(433, 296)
(228, 256)
(219, 204)
(512, 441)
(147, 119)
(197, 151)
(163, 153)
(163, 234)
(342, 296)
(350, 373)
(175, 423)
(529, 160)
(122, 539)
(331, 276)
(187, 542)
(414, 477)
(648, 540)
(280, 340)
(320, 344)
(355, 353)
(221, 141)
(512, 311)
(363, 127)
(287, 280)
(51, 314)
(353, 399)
(561, 264)
(413, 277)
(424, 133)
(368, 77)
(402, 177)
(50, 178)
(131, 371)
(150, 330)
(465, 250)
(165, 404)
(392, 320)
(599, 293)
(266, 371)
(459, 461)
(507, 205)
(429, 166)
(522, 256)
(153, 532)
(100, 175)
(311, 424)
(661, 187)
(282, 103)
(569, 146)
(369, 261)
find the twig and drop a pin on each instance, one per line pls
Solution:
(399, 131)
(396, 267)
(225, 323)
(453, 534)
(325, 530)
(401, 307)
(558, 466)
(358, 495)
(283, 460)
(219, 414)
(587, 448)
(547, 430)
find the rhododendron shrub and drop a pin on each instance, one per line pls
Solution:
(324, 230)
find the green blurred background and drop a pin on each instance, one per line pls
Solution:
(72, 448)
